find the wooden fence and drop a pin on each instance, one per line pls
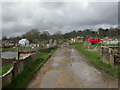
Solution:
(111, 55)
(19, 65)
(6, 62)
(17, 68)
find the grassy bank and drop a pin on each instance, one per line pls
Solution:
(95, 58)
(24, 78)
(5, 69)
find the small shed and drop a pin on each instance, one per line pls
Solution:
(79, 39)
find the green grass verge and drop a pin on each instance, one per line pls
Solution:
(95, 58)
(22, 80)
(3, 70)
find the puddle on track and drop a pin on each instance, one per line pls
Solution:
(50, 79)
(86, 73)
(74, 55)
(55, 64)
(57, 58)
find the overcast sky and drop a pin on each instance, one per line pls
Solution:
(18, 18)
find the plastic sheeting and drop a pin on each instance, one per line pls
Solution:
(24, 42)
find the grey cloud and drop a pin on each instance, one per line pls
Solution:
(21, 17)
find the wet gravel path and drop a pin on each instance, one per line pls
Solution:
(68, 69)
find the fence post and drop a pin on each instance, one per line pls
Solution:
(101, 50)
(13, 72)
(102, 54)
(111, 56)
(15, 69)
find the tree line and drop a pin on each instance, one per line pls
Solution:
(35, 36)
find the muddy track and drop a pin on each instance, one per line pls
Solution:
(68, 69)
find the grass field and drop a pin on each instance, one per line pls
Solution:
(94, 57)
(24, 78)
